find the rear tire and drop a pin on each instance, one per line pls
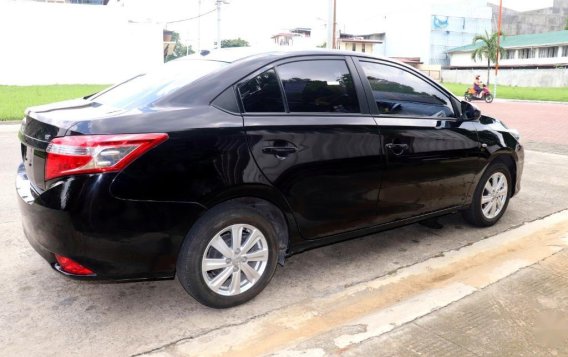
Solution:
(491, 196)
(229, 256)
(467, 97)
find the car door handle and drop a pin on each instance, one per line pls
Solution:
(397, 149)
(281, 152)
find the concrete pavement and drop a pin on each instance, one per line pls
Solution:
(543, 126)
(42, 313)
(349, 321)
(523, 315)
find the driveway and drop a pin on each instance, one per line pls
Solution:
(543, 126)
(43, 313)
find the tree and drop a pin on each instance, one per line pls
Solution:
(236, 42)
(180, 49)
(566, 26)
(488, 50)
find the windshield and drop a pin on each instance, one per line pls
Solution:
(146, 88)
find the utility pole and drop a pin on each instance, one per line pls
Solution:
(199, 27)
(334, 23)
(330, 27)
(218, 2)
(498, 46)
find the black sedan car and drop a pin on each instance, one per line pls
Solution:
(215, 168)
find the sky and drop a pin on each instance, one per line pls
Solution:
(256, 20)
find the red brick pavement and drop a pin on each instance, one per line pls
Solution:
(537, 122)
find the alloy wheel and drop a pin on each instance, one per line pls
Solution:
(235, 259)
(494, 195)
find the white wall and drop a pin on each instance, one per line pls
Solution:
(461, 59)
(463, 20)
(47, 43)
(407, 31)
(542, 77)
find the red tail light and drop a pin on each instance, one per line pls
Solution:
(72, 267)
(82, 154)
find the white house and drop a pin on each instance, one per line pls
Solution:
(297, 37)
(533, 60)
(542, 50)
(371, 43)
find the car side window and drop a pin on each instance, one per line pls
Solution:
(319, 86)
(261, 94)
(398, 92)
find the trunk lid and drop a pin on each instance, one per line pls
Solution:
(43, 123)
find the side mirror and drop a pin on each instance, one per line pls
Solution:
(470, 111)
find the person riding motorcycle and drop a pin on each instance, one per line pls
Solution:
(477, 85)
(479, 91)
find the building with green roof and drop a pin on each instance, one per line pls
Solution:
(540, 50)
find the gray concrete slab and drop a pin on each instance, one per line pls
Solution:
(523, 315)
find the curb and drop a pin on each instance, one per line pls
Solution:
(529, 101)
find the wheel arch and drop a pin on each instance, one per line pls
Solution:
(269, 203)
(505, 157)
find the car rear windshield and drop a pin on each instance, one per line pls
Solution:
(144, 89)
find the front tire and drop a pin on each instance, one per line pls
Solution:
(228, 257)
(491, 196)
(489, 98)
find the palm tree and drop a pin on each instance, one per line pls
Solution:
(488, 50)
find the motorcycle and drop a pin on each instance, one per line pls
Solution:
(470, 94)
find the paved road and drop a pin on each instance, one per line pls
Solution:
(543, 127)
(42, 313)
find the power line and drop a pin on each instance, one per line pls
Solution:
(192, 18)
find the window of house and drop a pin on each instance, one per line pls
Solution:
(363, 47)
(261, 94)
(565, 51)
(525, 53)
(548, 52)
(509, 54)
(353, 46)
(398, 92)
(319, 86)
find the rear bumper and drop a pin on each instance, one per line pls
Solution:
(117, 239)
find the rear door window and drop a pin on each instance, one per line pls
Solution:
(261, 94)
(401, 93)
(319, 86)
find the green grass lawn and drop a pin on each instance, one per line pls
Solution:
(508, 92)
(15, 99)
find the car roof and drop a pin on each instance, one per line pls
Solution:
(235, 54)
